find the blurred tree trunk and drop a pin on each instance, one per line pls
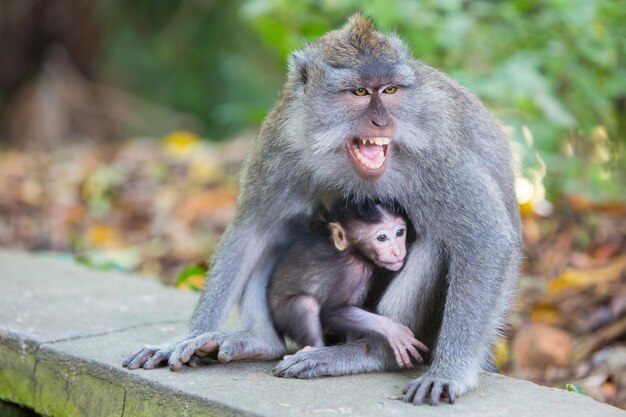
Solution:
(49, 51)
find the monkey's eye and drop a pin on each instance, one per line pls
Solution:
(360, 92)
(381, 238)
(400, 232)
(390, 90)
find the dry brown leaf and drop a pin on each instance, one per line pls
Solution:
(539, 346)
(590, 276)
(616, 208)
(545, 313)
(104, 237)
(206, 203)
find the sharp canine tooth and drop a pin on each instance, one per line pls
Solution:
(363, 141)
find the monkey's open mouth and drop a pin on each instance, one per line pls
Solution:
(369, 155)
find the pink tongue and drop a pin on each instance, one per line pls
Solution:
(370, 151)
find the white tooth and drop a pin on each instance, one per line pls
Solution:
(378, 141)
(386, 141)
(363, 141)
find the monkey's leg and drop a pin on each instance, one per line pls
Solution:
(299, 318)
(243, 260)
(482, 254)
(251, 258)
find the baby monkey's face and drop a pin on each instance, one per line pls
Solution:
(385, 242)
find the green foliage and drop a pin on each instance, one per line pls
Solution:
(575, 388)
(196, 56)
(192, 277)
(555, 66)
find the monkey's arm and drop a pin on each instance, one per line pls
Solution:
(356, 321)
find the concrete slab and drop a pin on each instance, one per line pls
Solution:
(45, 299)
(62, 357)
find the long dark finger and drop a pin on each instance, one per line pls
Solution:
(182, 354)
(132, 356)
(422, 392)
(155, 360)
(451, 395)
(140, 359)
(435, 393)
(409, 391)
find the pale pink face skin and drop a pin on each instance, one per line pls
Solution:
(386, 242)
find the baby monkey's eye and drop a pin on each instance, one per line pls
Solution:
(400, 232)
(390, 90)
(360, 92)
(381, 238)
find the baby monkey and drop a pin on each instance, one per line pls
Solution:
(320, 284)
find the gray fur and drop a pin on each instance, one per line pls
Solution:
(450, 169)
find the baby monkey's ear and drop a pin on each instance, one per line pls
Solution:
(339, 236)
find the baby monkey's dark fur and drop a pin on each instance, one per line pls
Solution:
(318, 291)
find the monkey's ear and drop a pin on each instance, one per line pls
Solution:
(339, 236)
(298, 67)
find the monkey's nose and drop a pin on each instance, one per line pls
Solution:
(380, 121)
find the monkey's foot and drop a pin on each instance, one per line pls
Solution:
(149, 356)
(432, 390)
(349, 358)
(304, 364)
(225, 347)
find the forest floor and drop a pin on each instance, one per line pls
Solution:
(158, 208)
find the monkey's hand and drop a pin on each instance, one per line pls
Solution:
(430, 388)
(403, 343)
(224, 347)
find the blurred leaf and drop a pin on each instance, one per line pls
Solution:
(574, 388)
(181, 144)
(102, 236)
(111, 259)
(545, 313)
(572, 278)
(501, 353)
(206, 203)
(192, 277)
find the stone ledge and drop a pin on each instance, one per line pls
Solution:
(64, 331)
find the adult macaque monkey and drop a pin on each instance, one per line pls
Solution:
(359, 116)
(319, 287)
